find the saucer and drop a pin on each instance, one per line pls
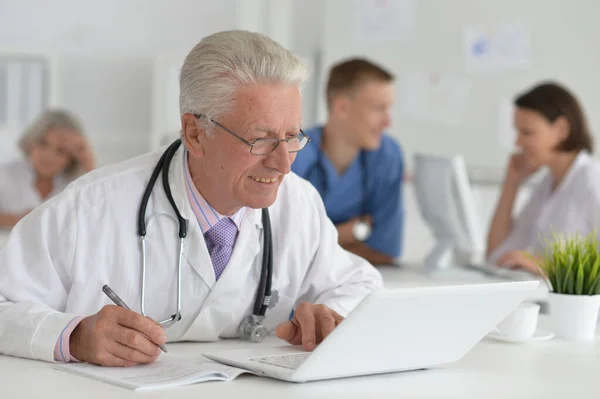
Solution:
(539, 335)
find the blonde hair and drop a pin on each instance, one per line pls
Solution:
(48, 120)
(223, 62)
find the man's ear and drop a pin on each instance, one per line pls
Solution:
(193, 134)
(341, 105)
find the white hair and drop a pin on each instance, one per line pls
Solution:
(223, 62)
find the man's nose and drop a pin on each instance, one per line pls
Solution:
(279, 159)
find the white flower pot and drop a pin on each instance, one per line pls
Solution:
(574, 317)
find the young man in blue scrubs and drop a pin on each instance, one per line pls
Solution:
(356, 168)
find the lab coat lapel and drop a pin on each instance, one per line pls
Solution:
(196, 254)
(195, 250)
(227, 295)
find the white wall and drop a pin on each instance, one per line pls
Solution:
(105, 51)
(125, 27)
(308, 26)
(307, 41)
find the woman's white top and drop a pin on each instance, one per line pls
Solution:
(573, 207)
(18, 193)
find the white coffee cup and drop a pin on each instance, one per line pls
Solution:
(521, 323)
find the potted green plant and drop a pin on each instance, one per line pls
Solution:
(571, 267)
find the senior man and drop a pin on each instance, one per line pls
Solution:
(204, 222)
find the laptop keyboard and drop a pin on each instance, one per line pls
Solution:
(501, 272)
(291, 362)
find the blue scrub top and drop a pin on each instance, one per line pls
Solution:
(344, 195)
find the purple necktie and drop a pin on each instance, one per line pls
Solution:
(221, 238)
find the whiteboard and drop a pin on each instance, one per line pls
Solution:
(429, 49)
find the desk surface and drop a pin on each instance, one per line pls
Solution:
(492, 369)
(551, 369)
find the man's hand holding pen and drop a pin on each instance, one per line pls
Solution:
(117, 337)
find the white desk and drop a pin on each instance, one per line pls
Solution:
(551, 369)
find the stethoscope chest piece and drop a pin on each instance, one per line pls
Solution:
(252, 329)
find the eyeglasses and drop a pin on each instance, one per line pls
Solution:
(268, 145)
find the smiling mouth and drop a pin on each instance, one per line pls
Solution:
(267, 180)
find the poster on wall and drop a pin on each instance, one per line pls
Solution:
(435, 97)
(491, 49)
(379, 20)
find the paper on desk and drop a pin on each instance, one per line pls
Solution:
(169, 371)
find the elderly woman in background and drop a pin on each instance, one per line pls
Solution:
(56, 153)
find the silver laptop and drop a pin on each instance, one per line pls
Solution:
(392, 330)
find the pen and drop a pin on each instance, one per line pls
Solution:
(119, 302)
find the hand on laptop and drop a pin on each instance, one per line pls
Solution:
(310, 325)
(519, 259)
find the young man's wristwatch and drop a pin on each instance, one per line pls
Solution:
(361, 231)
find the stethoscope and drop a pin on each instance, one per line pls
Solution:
(251, 328)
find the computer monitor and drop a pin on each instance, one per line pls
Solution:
(448, 207)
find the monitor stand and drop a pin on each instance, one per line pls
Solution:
(441, 257)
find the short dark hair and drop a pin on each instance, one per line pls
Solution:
(552, 101)
(350, 73)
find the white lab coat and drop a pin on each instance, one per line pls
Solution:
(573, 207)
(17, 187)
(58, 258)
